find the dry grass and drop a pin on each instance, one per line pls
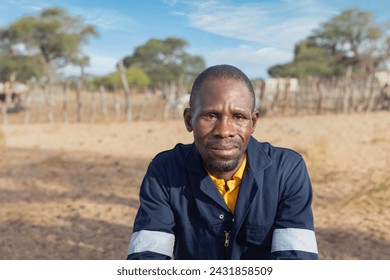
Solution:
(71, 191)
(320, 159)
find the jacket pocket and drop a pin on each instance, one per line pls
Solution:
(258, 235)
(255, 242)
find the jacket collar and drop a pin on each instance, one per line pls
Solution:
(252, 182)
(257, 161)
(194, 163)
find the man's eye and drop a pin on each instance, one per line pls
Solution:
(239, 117)
(211, 116)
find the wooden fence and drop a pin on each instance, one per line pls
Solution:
(309, 96)
(318, 96)
(88, 106)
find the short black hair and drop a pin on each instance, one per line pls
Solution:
(222, 71)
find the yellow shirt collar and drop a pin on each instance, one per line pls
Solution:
(231, 184)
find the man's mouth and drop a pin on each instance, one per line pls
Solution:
(223, 147)
(223, 150)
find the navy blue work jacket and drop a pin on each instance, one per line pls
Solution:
(182, 215)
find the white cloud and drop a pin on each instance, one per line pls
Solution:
(170, 2)
(250, 55)
(99, 65)
(276, 24)
(106, 19)
(27, 5)
(254, 62)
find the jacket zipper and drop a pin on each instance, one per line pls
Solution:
(227, 238)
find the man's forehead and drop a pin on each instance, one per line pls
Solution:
(224, 86)
(222, 83)
(213, 89)
(234, 97)
(222, 79)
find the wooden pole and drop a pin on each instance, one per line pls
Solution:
(103, 96)
(65, 102)
(4, 104)
(80, 105)
(127, 91)
(93, 106)
(117, 105)
(27, 102)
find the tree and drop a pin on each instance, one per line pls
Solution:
(310, 59)
(53, 35)
(355, 39)
(165, 61)
(136, 78)
(25, 67)
(351, 39)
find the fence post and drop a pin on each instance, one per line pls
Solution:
(93, 106)
(347, 91)
(65, 102)
(103, 96)
(80, 107)
(320, 96)
(373, 86)
(4, 105)
(117, 105)
(145, 102)
(27, 102)
(49, 99)
(127, 91)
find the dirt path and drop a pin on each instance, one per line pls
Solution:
(70, 191)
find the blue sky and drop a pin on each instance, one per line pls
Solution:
(252, 35)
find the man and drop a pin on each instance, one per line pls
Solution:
(226, 196)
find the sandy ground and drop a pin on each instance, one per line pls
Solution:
(70, 191)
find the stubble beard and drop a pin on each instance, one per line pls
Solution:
(221, 166)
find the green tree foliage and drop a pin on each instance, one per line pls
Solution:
(25, 67)
(165, 61)
(135, 76)
(310, 59)
(351, 39)
(53, 35)
(355, 39)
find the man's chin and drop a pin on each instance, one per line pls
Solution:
(221, 166)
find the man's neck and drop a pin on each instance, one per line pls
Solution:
(226, 175)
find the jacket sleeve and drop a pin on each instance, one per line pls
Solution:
(293, 235)
(153, 236)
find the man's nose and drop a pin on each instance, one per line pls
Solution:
(224, 128)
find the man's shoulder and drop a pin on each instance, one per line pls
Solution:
(277, 162)
(179, 152)
(171, 161)
(275, 153)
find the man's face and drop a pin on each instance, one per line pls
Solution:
(222, 122)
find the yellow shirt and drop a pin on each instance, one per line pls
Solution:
(229, 189)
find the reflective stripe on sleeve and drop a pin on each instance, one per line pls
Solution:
(286, 239)
(153, 241)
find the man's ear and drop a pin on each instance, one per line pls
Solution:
(255, 118)
(187, 119)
